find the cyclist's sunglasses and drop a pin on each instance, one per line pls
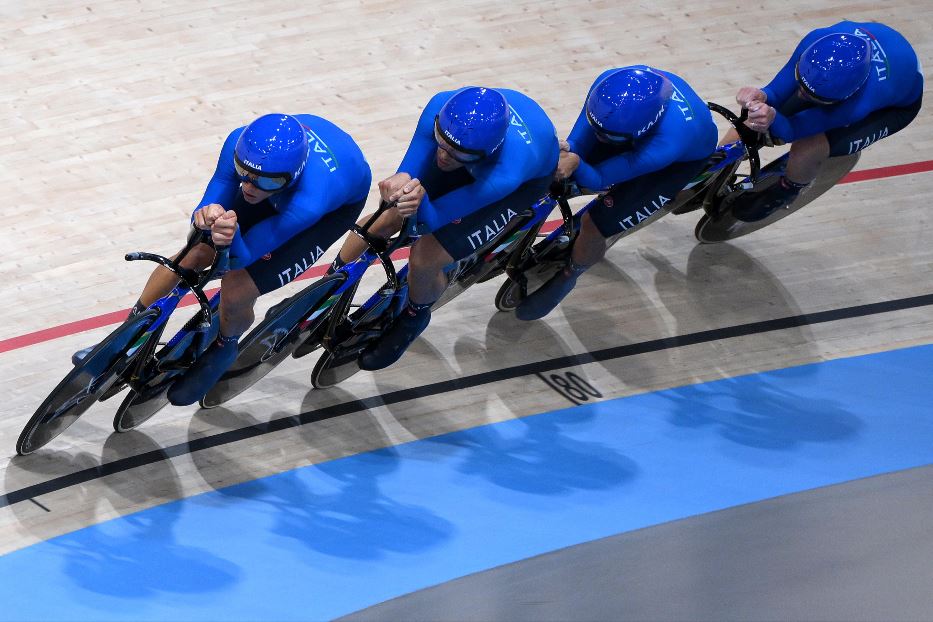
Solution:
(458, 153)
(264, 181)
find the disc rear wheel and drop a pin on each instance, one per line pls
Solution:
(728, 227)
(335, 367)
(278, 336)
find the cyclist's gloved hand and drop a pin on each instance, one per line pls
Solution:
(760, 116)
(567, 164)
(748, 95)
(205, 216)
(408, 198)
(389, 186)
(224, 228)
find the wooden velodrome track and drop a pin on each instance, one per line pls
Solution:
(115, 112)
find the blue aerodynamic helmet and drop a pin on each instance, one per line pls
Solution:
(271, 152)
(627, 103)
(474, 122)
(834, 67)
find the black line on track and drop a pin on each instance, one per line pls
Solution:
(40, 505)
(457, 384)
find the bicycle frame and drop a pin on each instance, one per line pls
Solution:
(191, 282)
(514, 239)
(124, 356)
(708, 184)
(377, 249)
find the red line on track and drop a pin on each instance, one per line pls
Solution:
(888, 171)
(99, 321)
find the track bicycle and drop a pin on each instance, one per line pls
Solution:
(346, 334)
(720, 192)
(296, 325)
(128, 356)
(718, 224)
(714, 190)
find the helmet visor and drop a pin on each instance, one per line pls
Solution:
(268, 182)
(605, 136)
(808, 92)
(455, 151)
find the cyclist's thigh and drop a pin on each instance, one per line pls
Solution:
(628, 204)
(289, 261)
(876, 126)
(465, 236)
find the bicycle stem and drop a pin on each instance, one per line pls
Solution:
(383, 249)
(749, 137)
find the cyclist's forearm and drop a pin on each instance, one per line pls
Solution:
(384, 227)
(162, 280)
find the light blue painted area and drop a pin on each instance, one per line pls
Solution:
(330, 539)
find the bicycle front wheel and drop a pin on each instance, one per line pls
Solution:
(84, 384)
(509, 296)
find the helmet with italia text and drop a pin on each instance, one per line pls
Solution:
(627, 103)
(473, 122)
(834, 67)
(271, 152)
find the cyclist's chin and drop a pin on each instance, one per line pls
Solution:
(446, 163)
(254, 196)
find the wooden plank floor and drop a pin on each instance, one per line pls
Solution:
(115, 114)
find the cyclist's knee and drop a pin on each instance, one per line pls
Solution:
(427, 253)
(238, 289)
(816, 146)
(590, 245)
(807, 155)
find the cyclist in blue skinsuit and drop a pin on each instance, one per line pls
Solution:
(478, 157)
(844, 88)
(642, 135)
(285, 189)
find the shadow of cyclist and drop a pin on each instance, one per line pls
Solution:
(761, 411)
(43, 466)
(624, 315)
(723, 286)
(537, 455)
(117, 557)
(335, 506)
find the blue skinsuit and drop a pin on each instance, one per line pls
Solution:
(685, 132)
(529, 152)
(895, 80)
(336, 174)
